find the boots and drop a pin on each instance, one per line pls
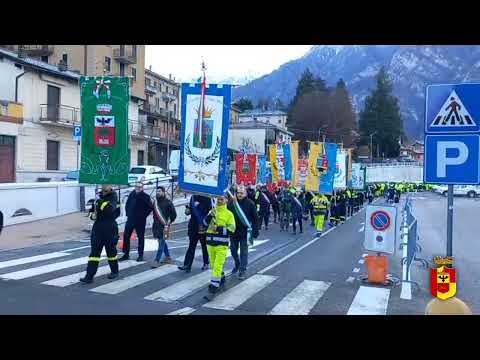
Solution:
(166, 260)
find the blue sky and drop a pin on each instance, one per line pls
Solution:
(223, 61)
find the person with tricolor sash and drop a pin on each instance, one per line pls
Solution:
(163, 215)
(246, 222)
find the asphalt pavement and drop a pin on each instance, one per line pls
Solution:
(287, 274)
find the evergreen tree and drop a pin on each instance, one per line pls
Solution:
(279, 105)
(263, 104)
(244, 104)
(381, 114)
(344, 124)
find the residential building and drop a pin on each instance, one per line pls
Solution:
(277, 118)
(235, 114)
(413, 151)
(49, 90)
(160, 116)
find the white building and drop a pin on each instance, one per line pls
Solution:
(39, 105)
(277, 118)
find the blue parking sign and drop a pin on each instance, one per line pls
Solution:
(77, 132)
(452, 159)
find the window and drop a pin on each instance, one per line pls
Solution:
(137, 170)
(148, 82)
(108, 64)
(122, 69)
(166, 89)
(141, 155)
(65, 59)
(134, 50)
(134, 74)
(157, 102)
(279, 121)
(53, 154)
(175, 110)
(154, 84)
(44, 59)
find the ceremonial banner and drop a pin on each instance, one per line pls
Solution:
(204, 138)
(262, 169)
(105, 157)
(341, 169)
(288, 161)
(294, 148)
(273, 162)
(302, 171)
(349, 165)
(358, 177)
(312, 182)
(246, 168)
(327, 179)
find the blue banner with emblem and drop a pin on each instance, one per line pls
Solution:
(327, 179)
(287, 155)
(262, 169)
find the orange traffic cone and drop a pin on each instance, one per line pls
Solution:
(120, 240)
(377, 268)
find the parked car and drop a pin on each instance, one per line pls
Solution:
(148, 175)
(72, 176)
(472, 191)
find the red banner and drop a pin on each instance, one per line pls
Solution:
(272, 187)
(246, 166)
(302, 171)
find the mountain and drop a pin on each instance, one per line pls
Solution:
(411, 68)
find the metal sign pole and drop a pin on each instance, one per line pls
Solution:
(450, 221)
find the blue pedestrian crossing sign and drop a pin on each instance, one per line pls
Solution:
(453, 108)
(77, 133)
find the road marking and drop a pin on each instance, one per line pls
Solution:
(184, 311)
(356, 270)
(302, 299)
(294, 252)
(102, 270)
(350, 279)
(77, 248)
(361, 229)
(40, 270)
(132, 281)
(31, 259)
(370, 301)
(236, 296)
(361, 261)
(185, 287)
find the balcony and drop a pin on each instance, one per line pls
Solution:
(63, 115)
(125, 56)
(11, 112)
(150, 89)
(35, 50)
(146, 131)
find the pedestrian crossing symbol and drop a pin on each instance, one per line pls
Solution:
(453, 114)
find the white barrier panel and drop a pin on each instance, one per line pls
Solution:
(395, 174)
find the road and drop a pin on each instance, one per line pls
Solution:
(287, 274)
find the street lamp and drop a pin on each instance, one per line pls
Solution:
(320, 128)
(371, 146)
(167, 98)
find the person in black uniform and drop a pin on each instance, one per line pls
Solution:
(104, 234)
(198, 208)
(308, 204)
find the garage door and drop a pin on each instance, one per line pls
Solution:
(7, 158)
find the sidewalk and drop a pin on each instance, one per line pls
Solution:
(57, 229)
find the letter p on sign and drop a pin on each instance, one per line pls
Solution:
(443, 160)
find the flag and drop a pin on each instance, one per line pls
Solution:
(246, 168)
(328, 177)
(313, 176)
(274, 162)
(288, 161)
(294, 163)
(262, 169)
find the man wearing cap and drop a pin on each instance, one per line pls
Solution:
(103, 234)
(245, 217)
(221, 225)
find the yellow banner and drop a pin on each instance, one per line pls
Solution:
(294, 153)
(312, 182)
(273, 162)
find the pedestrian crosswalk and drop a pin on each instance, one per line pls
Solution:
(259, 293)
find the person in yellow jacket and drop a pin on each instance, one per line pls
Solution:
(320, 212)
(221, 226)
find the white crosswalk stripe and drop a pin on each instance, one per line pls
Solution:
(45, 269)
(302, 299)
(102, 270)
(183, 311)
(370, 300)
(236, 296)
(132, 281)
(31, 259)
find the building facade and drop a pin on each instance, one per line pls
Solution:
(160, 115)
(277, 118)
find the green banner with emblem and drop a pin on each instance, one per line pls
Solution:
(105, 156)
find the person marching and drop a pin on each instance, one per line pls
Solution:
(246, 229)
(221, 226)
(263, 206)
(285, 209)
(198, 208)
(104, 233)
(320, 212)
(164, 214)
(275, 206)
(308, 201)
(297, 211)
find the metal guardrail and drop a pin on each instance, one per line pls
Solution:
(411, 241)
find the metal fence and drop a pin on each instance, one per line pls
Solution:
(410, 240)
